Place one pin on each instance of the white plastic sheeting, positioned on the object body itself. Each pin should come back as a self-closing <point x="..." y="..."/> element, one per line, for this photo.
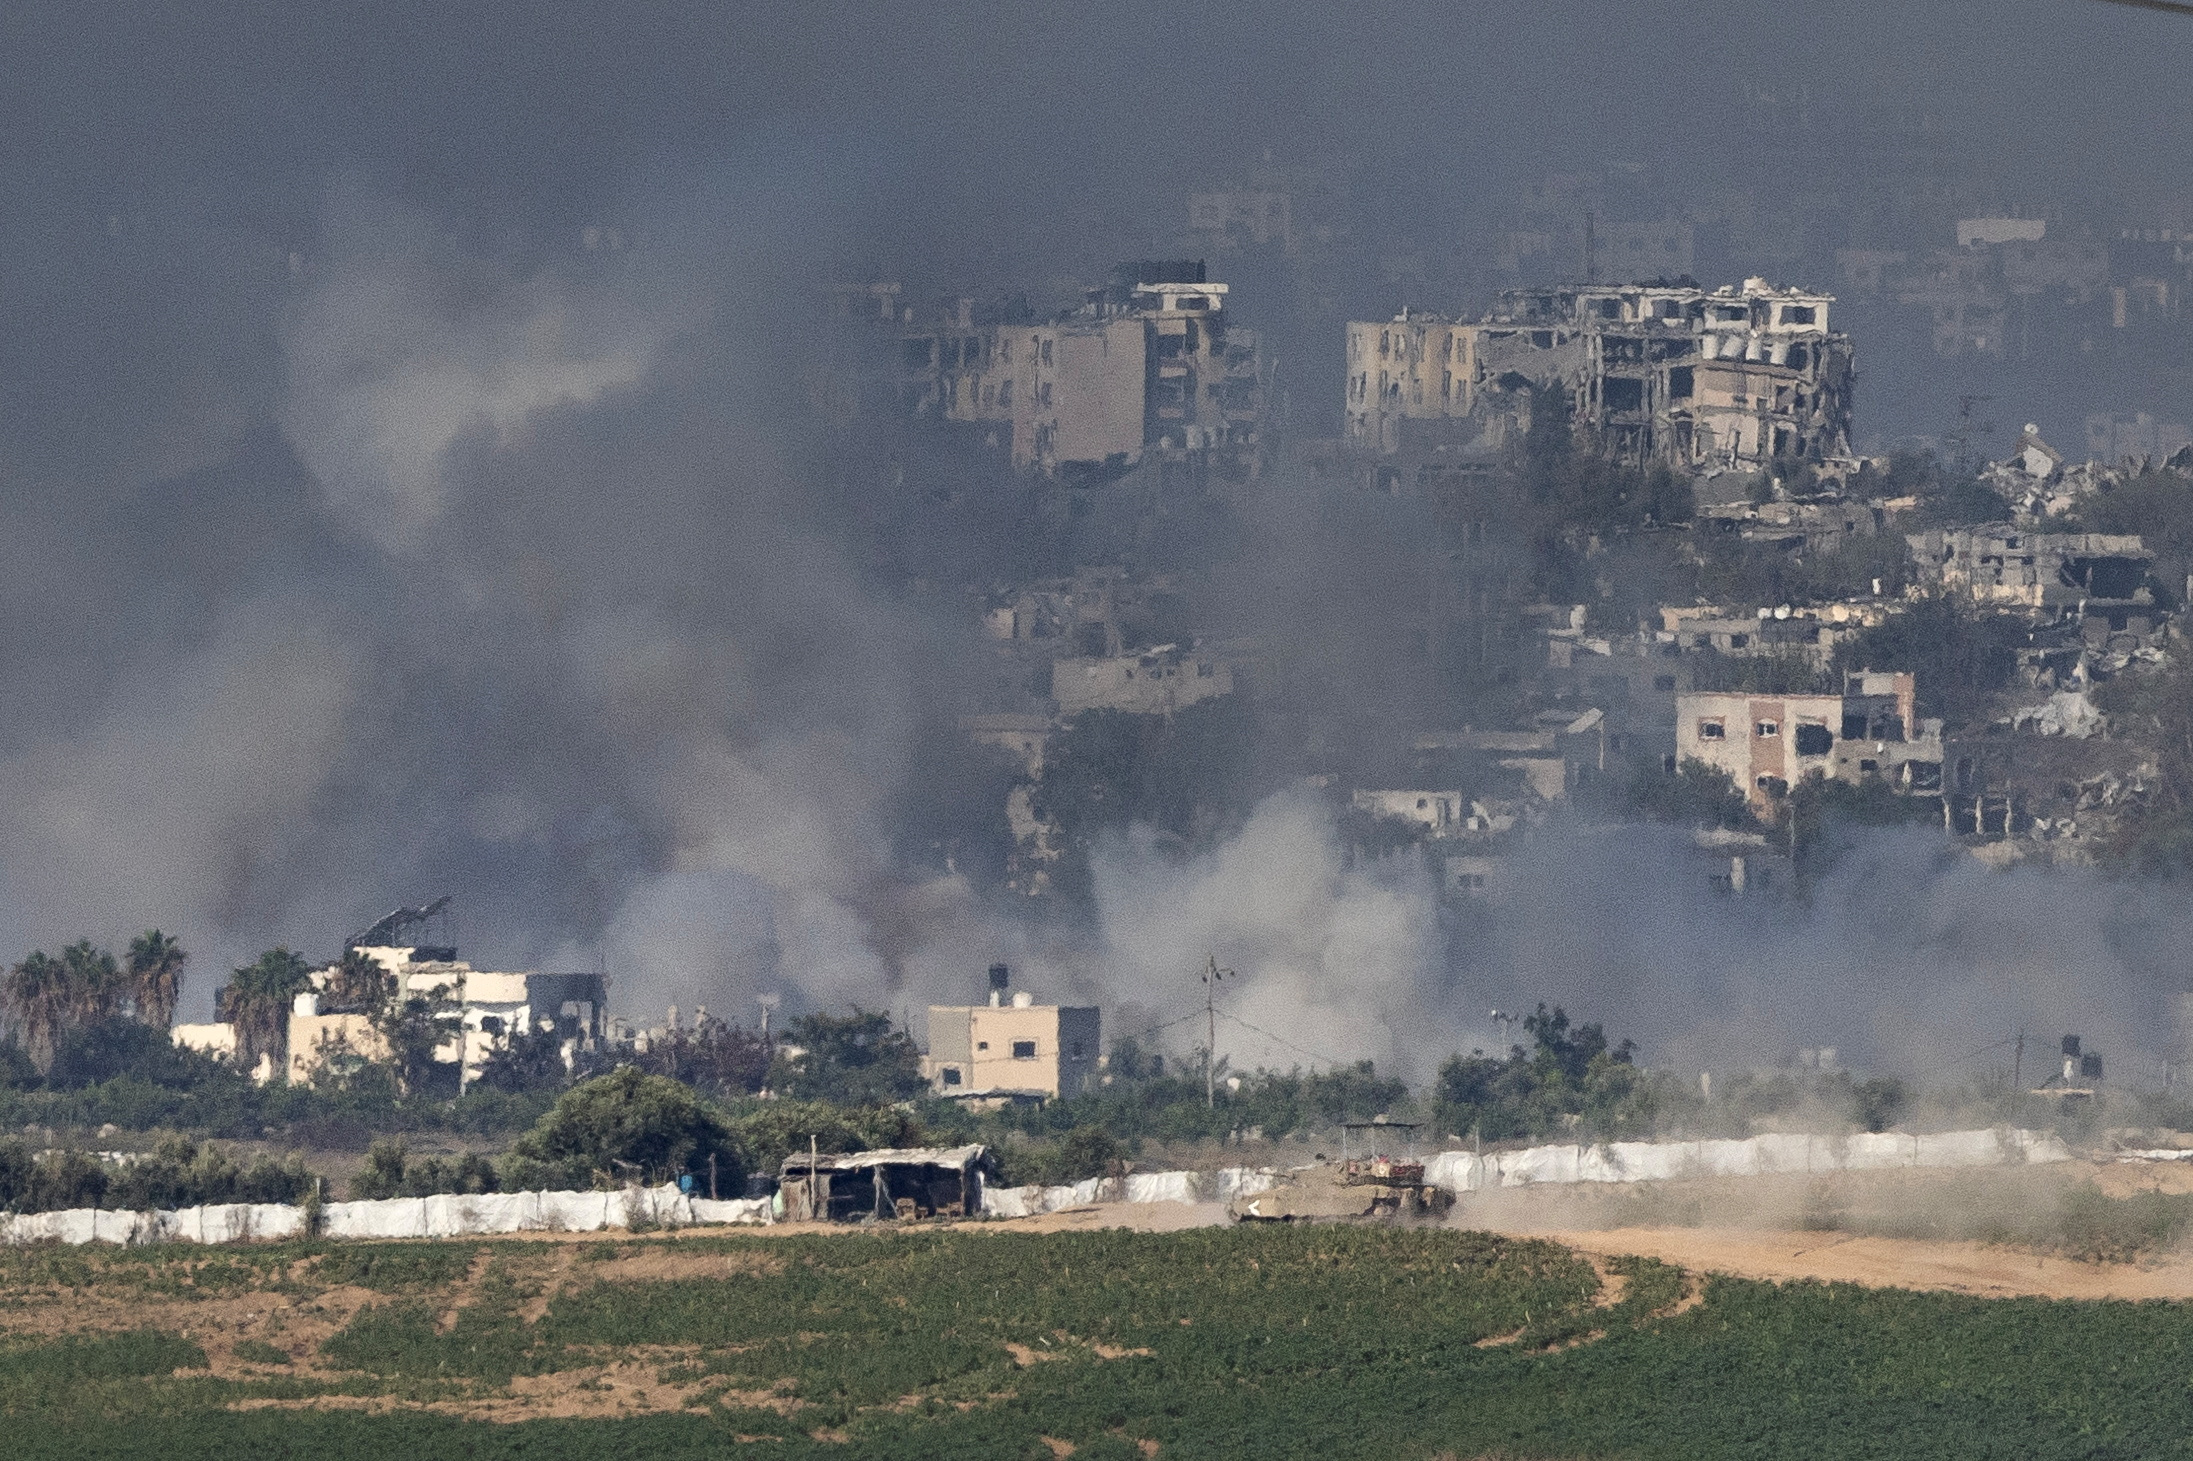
<point x="223" y="1223"/>
<point x="1647" y="1161"/>
<point x="395" y="1217"/>
<point x="1220" y="1186"/>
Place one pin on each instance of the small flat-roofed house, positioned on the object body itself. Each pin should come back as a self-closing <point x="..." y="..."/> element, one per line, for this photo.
<point x="889" y="1184"/>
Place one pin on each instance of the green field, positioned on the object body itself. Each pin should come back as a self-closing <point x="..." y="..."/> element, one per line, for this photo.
<point x="1217" y="1343"/>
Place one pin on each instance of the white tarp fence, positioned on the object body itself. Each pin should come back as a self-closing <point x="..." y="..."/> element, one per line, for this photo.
<point x="1220" y="1186"/>
<point x="1650" y="1161"/>
<point x="394" y="1217"/>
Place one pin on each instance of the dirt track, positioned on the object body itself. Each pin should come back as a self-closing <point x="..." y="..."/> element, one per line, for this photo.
<point x="1966" y="1268"/>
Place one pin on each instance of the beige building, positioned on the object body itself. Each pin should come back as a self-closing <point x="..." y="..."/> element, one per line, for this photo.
<point x="1697" y="379"/>
<point x="1012" y="1048"/>
<point x="1770" y="743"/>
<point x="1149" y="362"/>
<point x="489" y="1009"/>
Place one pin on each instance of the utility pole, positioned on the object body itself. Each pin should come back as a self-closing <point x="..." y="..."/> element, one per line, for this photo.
<point x="2017" y="1061"/>
<point x="1211" y="975"/>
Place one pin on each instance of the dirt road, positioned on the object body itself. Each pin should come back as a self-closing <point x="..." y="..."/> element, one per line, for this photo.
<point x="1965" y="1268"/>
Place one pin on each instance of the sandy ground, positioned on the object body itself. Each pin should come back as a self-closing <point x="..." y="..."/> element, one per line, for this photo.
<point x="1965" y="1268"/>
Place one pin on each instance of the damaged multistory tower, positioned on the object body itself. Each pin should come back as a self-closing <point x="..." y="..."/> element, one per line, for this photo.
<point x="1693" y="378"/>
<point x="1151" y="363"/>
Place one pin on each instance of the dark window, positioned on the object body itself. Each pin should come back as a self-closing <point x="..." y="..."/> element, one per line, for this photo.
<point x="1813" y="740"/>
<point x="1854" y="725"/>
<point x="1679" y="383"/>
<point x="1712" y="730"/>
<point x="1024" y="1050"/>
<point x="951" y="1075"/>
<point x="1625" y="395"/>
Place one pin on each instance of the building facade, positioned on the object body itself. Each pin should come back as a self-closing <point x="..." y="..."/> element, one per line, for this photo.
<point x="1734" y="377"/>
<point x="487" y="1010"/>
<point x="2003" y="565"/>
<point x="1770" y="743"/>
<point x="1015" y="1048"/>
<point x="1150" y="362"/>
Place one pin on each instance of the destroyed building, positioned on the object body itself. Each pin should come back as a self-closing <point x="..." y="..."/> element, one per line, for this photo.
<point x="1739" y="378"/>
<point x="2003" y="565"/>
<point x="1769" y="743"/>
<point x="1156" y="681"/>
<point x="1150" y="362"/>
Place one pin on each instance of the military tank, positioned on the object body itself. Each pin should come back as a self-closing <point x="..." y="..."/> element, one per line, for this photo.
<point x="1374" y="1186"/>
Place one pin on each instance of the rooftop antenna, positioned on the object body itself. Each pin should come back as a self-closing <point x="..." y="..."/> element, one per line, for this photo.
<point x="1211" y="975"/>
<point x="1501" y="1017"/>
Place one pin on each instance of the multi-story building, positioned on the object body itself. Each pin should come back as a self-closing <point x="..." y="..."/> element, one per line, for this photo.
<point x="1697" y="379"/>
<point x="1012" y="1047"/>
<point x="1149" y="362"/>
<point x="485" y="1011"/>
<point x="1770" y="743"/>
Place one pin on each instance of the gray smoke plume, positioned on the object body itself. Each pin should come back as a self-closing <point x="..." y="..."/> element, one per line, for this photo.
<point x="402" y="490"/>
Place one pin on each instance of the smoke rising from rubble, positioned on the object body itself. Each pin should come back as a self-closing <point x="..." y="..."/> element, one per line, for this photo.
<point x="381" y="521"/>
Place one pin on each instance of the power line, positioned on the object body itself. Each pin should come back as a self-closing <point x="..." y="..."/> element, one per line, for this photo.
<point x="1297" y="1049"/>
<point x="1984" y="1049"/>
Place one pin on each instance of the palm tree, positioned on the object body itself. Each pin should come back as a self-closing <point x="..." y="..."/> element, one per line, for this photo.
<point x="257" y="1001"/>
<point x="358" y="985"/>
<point x="96" y="991"/>
<point x="156" y="976"/>
<point x="36" y="992"/>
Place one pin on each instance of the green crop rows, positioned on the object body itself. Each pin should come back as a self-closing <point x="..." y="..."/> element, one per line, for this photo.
<point x="1325" y="1342"/>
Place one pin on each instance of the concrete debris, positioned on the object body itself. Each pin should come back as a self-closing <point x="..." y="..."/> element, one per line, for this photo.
<point x="2065" y="713"/>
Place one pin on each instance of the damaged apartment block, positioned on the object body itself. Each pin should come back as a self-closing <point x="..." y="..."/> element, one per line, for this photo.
<point x="1698" y="380"/>
<point x="1769" y="743"/>
<point x="1149" y="365"/>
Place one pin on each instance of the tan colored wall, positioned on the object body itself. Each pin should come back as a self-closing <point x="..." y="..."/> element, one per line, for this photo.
<point x="312" y="1038"/>
<point x="1096" y="379"/>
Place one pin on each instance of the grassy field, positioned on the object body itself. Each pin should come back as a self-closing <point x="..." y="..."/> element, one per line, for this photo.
<point x="1212" y="1343"/>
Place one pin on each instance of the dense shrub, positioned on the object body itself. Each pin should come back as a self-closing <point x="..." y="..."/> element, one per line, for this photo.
<point x="1568" y="1079"/>
<point x="177" y="1173"/>
<point x="624" y="1125"/>
<point x="855" y="1059"/>
<point x="388" y="1172"/>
